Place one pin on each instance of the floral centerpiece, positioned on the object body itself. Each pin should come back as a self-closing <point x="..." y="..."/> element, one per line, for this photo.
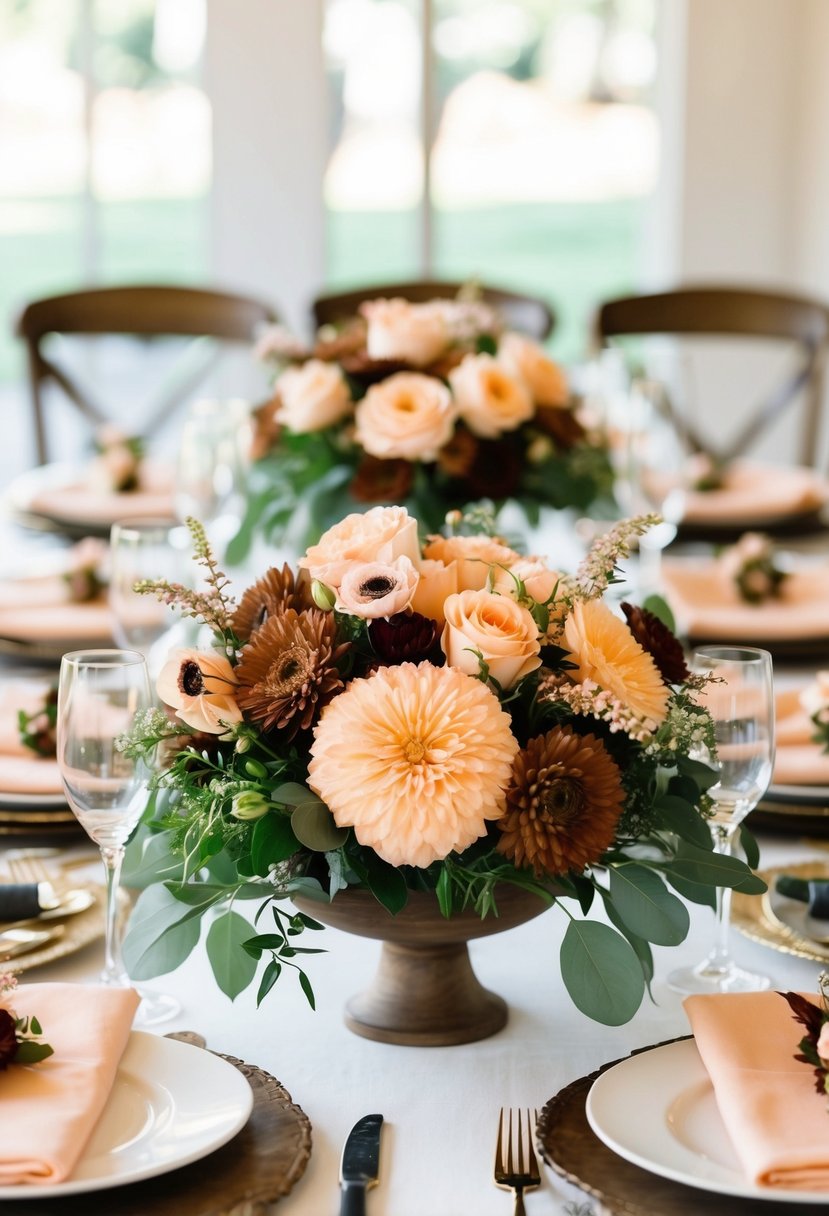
<point x="447" y="717"/>
<point x="430" y="405"/>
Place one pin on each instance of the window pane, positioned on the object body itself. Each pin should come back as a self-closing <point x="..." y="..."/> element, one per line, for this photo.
<point x="150" y="141"/>
<point x="374" y="179"/>
<point x="546" y="149"/>
<point x="42" y="159"/>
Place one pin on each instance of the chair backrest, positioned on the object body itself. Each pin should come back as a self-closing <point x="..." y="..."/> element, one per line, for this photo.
<point x="528" y="314"/>
<point x="737" y="312"/>
<point x="145" y="311"/>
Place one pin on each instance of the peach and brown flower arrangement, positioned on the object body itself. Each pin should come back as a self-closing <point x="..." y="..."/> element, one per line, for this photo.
<point x="430" y="713"/>
<point x="431" y="405"/>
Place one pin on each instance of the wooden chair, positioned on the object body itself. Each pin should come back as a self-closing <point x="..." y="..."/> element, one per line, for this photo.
<point x="143" y="311"/>
<point x="529" y="314"/>
<point x="737" y="312"/>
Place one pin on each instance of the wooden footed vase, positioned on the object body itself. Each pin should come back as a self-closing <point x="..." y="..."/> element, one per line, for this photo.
<point x="425" y="993"/>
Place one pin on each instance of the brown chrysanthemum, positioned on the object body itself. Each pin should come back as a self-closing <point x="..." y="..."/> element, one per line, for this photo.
<point x="457" y="457"/>
<point x="379" y="480"/>
<point x="563" y="803"/>
<point x="659" y="642"/>
<point x="561" y="425"/>
<point x="288" y="672"/>
<point x="271" y="595"/>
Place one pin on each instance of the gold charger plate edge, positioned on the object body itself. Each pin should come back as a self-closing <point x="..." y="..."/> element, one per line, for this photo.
<point x="573" y="1151"/>
<point x="258" y="1167"/>
<point x="752" y="915"/>
<point x="79" y="930"/>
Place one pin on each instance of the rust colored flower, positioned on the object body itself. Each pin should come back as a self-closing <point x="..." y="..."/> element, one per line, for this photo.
<point x="659" y="642"/>
<point x="561" y="425"/>
<point x="404" y="637"/>
<point x="563" y="803"/>
<point x="288" y="670"/>
<point x="266" y="428"/>
<point x="381" y="480"/>
<point x="8" y="1038"/>
<point x="271" y="595"/>
<point x="457" y="457"/>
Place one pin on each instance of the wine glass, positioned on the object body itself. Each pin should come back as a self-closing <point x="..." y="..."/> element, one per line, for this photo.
<point x="211" y="474"/>
<point x="146" y="549"/>
<point x="100" y="692"/>
<point x="652" y="472"/>
<point x="740" y="699"/>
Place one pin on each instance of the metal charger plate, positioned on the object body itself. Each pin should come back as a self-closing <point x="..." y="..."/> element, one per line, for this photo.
<point x="755" y="918"/>
<point x="258" y="1167"/>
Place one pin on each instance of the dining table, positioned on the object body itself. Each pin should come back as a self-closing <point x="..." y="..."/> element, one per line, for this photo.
<point x="440" y="1105"/>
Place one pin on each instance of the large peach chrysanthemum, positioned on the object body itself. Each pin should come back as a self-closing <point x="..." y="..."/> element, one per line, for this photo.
<point x="415" y="759"/>
<point x="607" y="653"/>
<point x="563" y="804"/>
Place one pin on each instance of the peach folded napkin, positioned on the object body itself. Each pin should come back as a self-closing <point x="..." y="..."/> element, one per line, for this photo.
<point x="706" y="604"/>
<point x="81" y="503"/>
<point x="50" y="1109"/>
<point x="778" y="1123"/>
<point x="755" y="492"/>
<point x="799" y="760"/>
<point x="21" y="771"/>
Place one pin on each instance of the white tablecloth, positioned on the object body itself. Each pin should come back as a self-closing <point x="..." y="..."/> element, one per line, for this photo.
<point x="440" y="1104"/>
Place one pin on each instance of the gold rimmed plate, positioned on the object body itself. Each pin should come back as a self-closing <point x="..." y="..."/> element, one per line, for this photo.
<point x="784" y="924"/>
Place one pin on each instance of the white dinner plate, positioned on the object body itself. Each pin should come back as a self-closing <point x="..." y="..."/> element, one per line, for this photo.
<point x="807" y="795"/>
<point x="171" y="1104"/>
<point x="676" y="1130"/>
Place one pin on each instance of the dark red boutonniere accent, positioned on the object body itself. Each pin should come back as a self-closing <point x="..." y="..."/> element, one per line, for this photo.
<point x="20" y="1038"/>
<point x="814" y="1046"/>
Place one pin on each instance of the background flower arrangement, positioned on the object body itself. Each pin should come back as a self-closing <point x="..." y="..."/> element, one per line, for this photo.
<point x="430" y="405"/>
<point x="448" y="716"/>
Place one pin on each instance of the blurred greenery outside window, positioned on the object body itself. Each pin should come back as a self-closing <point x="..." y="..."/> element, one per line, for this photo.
<point x="543" y="153"/>
<point x="104" y="148"/>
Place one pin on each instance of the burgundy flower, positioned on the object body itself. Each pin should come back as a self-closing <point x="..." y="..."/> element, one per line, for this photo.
<point x="659" y="642"/>
<point x="8" y="1038"/>
<point x="496" y="469"/>
<point x="561" y="425"/>
<point x="403" y="638"/>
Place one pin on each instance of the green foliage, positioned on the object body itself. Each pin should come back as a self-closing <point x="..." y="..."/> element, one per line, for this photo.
<point x="601" y="972"/>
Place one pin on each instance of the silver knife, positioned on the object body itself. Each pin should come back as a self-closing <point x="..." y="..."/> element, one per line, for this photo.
<point x="359" y="1167"/>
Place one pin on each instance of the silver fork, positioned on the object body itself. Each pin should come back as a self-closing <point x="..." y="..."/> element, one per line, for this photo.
<point x="517" y="1170"/>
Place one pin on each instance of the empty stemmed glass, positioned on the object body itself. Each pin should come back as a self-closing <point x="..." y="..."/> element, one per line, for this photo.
<point x="652" y="472"/>
<point x="100" y="692"/>
<point x="740" y="699"/>
<point x="211" y="473"/>
<point x="147" y="548"/>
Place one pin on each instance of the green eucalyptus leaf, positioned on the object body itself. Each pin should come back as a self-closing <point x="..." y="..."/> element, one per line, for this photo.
<point x="661" y="610"/>
<point x="161" y="934"/>
<point x="696" y="892"/>
<point x="386" y="883"/>
<point x="681" y="817"/>
<point x="197" y="894"/>
<point x="713" y="869"/>
<point x="233" y="967"/>
<point x="272" y="841"/>
<point x="640" y="947"/>
<point x="749" y="845"/>
<point x="314" y="826"/>
<point x="291" y="793"/>
<point x="646" y="906"/>
<point x="601" y="972"/>
<point x="269" y="977"/>
<point x="702" y="774"/>
<point x="149" y="859"/>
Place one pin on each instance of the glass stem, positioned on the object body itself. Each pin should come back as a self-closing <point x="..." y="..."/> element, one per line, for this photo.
<point x="113" y="973"/>
<point x="720" y="957"/>
<point x="650" y="568"/>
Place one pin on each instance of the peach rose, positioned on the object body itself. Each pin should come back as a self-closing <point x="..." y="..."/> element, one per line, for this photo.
<point x="407" y="417"/>
<point x="437" y="582"/>
<point x="488" y="398"/>
<point x="494" y="626"/>
<point x="312" y="397"/>
<point x="201" y="688"/>
<point x="538" y="579"/>
<point x="376" y="589"/>
<point x="380" y="535"/>
<point x="823" y="1042"/>
<point x="527" y="361"/>
<point x="475" y="555"/>
<point x="404" y="332"/>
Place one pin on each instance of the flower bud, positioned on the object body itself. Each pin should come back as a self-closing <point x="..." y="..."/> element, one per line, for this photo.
<point x="250" y="805"/>
<point x="540" y="449"/>
<point x="256" y="769"/>
<point x="322" y="596"/>
<point x="454" y="519"/>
